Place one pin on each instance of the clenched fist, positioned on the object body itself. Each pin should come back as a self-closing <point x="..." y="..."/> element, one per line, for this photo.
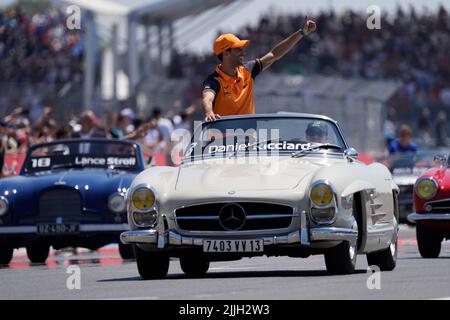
<point x="309" y="26"/>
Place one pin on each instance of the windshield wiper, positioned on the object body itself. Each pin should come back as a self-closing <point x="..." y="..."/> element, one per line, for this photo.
<point x="313" y="147"/>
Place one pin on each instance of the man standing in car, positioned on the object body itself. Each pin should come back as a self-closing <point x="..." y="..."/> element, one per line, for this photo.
<point x="229" y="90"/>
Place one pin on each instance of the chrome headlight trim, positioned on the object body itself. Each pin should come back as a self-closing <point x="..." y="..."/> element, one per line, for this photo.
<point x="426" y="178"/>
<point x="129" y="196"/>
<point x="6" y="203"/>
<point x="131" y="208"/>
<point x="327" y="183"/>
<point x="333" y="203"/>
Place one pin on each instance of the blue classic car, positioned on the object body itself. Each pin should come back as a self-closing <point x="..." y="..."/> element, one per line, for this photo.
<point x="69" y="193"/>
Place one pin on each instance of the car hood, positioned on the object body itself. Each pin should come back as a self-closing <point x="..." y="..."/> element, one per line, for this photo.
<point x="86" y="181"/>
<point x="283" y="173"/>
<point x="95" y="186"/>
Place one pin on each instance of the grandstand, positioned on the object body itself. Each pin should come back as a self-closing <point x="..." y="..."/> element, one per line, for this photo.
<point x="135" y="55"/>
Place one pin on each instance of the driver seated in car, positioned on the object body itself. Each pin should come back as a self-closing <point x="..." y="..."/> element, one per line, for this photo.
<point x="317" y="132"/>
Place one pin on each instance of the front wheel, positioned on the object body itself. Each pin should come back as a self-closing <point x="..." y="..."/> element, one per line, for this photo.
<point x="151" y="265"/>
<point x="6" y="254"/>
<point x="126" y="251"/>
<point x="38" y="253"/>
<point x="385" y="259"/>
<point x="429" y="243"/>
<point x="341" y="259"/>
<point x="194" y="266"/>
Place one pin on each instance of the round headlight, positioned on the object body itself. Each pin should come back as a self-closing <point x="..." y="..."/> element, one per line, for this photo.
<point x="426" y="188"/>
<point x="143" y="198"/>
<point x="116" y="203"/>
<point x="4" y="206"/>
<point x="321" y="195"/>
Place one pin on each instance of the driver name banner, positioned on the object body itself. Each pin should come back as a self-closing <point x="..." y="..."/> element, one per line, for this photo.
<point x="46" y="163"/>
<point x="259" y="146"/>
<point x="108" y="161"/>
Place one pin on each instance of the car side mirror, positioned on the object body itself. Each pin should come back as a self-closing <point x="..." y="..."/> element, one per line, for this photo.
<point x="351" y="154"/>
<point x="440" y="159"/>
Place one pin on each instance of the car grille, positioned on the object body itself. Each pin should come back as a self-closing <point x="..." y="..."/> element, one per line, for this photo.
<point x="258" y="216"/>
<point x="60" y="203"/>
<point x="442" y="206"/>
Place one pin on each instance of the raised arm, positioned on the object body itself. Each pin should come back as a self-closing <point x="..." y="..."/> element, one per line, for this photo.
<point x="287" y="44"/>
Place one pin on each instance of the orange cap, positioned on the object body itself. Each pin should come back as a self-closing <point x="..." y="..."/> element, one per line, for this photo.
<point x="228" y="41"/>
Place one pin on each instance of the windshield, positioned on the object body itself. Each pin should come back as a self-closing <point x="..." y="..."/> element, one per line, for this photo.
<point x="411" y="163"/>
<point x="268" y="136"/>
<point x="84" y="154"/>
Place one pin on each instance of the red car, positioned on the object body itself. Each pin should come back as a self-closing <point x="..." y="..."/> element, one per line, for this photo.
<point x="432" y="205"/>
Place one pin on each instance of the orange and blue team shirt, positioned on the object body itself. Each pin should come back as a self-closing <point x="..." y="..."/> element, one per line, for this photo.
<point x="234" y="95"/>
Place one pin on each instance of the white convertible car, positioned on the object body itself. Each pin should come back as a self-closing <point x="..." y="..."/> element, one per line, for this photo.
<point x="284" y="184"/>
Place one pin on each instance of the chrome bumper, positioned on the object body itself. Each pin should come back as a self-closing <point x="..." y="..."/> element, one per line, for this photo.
<point x="302" y="237"/>
<point x="333" y="234"/>
<point x="414" y="217"/>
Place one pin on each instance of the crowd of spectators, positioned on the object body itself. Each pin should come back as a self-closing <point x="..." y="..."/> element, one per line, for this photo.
<point x="38" y="57"/>
<point x="414" y="48"/>
<point x="38" y="48"/>
<point x="411" y="47"/>
<point x="154" y="133"/>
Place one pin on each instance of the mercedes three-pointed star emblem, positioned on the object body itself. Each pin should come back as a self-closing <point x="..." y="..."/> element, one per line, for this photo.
<point x="232" y="217"/>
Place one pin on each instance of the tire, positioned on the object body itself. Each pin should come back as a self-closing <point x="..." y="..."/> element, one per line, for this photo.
<point x="6" y="254"/>
<point x="429" y="243"/>
<point x="38" y="253"/>
<point x="194" y="265"/>
<point x="385" y="259"/>
<point x="341" y="259"/>
<point x="126" y="251"/>
<point x="151" y="265"/>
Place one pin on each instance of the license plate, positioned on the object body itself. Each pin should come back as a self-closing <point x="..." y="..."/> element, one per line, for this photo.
<point x="53" y="228"/>
<point x="233" y="245"/>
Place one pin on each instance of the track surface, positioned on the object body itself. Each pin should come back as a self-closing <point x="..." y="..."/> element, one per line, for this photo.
<point x="104" y="275"/>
